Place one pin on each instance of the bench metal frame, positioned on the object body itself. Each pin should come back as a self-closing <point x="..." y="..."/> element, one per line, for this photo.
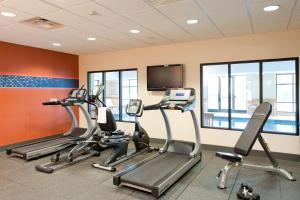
<point x="274" y="168"/>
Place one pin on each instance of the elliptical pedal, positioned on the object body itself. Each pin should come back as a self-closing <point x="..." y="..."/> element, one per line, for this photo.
<point x="108" y="168"/>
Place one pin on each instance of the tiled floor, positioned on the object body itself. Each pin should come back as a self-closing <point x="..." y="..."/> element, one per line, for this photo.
<point x="20" y="181"/>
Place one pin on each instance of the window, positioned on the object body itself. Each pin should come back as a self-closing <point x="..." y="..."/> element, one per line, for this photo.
<point x="112" y="92"/>
<point x="120" y="87"/>
<point x="285" y="92"/>
<point x="279" y="86"/>
<point x="231" y="92"/>
<point x="215" y="91"/>
<point x="244" y="93"/>
<point x="129" y="91"/>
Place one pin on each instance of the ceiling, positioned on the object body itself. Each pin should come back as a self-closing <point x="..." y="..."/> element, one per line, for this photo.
<point x="159" y="22"/>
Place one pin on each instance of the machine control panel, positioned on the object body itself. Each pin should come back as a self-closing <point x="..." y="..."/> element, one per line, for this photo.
<point x="134" y="107"/>
<point x="179" y="95"/>
<point x="176" y="99"/>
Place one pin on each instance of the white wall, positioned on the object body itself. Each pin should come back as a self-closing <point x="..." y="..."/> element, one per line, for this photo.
<point x="259" y="46"/>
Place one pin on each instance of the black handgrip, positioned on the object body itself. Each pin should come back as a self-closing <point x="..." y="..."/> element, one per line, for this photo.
<point x="78" y="91"/>
<point x="49" y="103"/>
<point x="152" y="107"/>
<point x="179" y="107"/>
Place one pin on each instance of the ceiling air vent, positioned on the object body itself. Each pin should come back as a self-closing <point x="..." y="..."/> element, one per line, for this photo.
<point x="41" y="23"/>
<point x="157" y="3"/>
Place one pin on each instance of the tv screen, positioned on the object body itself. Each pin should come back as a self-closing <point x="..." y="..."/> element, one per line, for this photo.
<point x="161" y="77"/>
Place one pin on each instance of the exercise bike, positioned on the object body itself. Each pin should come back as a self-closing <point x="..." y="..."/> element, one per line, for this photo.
<point x="119" y="141"/>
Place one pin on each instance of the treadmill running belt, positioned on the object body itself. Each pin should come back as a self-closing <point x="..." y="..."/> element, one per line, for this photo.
<point x="156" y="170"/>
<point x="41" y="145"/>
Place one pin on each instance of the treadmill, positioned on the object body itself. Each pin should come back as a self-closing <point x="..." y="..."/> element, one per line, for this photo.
<point x="160" y="171"/>
<point x="34" y="150"/>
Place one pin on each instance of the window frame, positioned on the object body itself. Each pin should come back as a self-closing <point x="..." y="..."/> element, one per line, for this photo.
<point x="260" y="62"/>
<point x="294" y="93"/>
<point x="120" y="87"/>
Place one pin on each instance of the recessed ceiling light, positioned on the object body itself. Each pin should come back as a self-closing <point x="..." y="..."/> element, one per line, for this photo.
<point x="91" y="38"/>
<point x="271" y="8"/>
<point x="8" y="14"/>
<point x="192" y="21"/>
<point x="92" y="12"/>
<point x="135" y="31"/>
<point x="56" y="44"/>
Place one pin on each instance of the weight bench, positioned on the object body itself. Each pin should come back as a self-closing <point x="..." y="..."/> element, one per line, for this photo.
<point x="244" y="145"/>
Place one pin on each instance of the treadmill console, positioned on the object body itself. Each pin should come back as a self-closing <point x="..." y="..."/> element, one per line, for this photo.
<point x="179" y="95"/>
<point x="77" y="94"/>
<point x="176" y="99"/>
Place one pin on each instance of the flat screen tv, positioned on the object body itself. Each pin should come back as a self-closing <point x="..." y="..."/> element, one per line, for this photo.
<point x="161" y="77"/>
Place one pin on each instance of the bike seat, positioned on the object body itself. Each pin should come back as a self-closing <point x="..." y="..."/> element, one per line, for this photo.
<point x="229" y="156"/>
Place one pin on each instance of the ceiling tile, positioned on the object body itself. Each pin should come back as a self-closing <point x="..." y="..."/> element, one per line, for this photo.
<point x="44" y="43"/>
<point x="123" y="7"/>
<point x="124" y="25"/>
<point x="40" y="42"/>
<point x="182" y="11"/>
<point x="123" y="38"/>
<point x="82" y="43"/>
<point x="230" y="16"/>
<point x="101" y="13"/>
<point x="120" y="23"/>
<point x="64" y="18"/>
<point x="71" y="32"/>
<point x="295" y="20"/>
<point x="270" y="21"/>
<point x="74" y="21"/>
<point x="65" y="3"/>
<point x="18" y="30"/>
<point x="67" y="43"/>
<point x="158" y="23"/>
<point x="115" y="22"/>
<point x="4" y="22"/>
<point x="9" y="20"/>
<point x="34" y="7"/>
<point x="157" y="3"/>
<point x="116" y="35"/>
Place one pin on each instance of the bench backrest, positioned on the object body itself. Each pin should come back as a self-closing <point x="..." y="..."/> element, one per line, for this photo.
<point x="253" y="129"/>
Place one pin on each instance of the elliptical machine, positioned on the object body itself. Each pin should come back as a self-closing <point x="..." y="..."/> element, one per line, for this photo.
<point x="118" y="140"/>
<point x="83" y="148"/>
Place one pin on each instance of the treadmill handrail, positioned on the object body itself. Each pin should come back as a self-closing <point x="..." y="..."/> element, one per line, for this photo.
<point x="152" y="107"/>
<point x="168" y="105"/>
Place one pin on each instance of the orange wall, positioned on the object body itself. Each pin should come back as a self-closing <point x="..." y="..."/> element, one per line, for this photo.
<point x="22" y="115"/>
<point x="23" y="60"/>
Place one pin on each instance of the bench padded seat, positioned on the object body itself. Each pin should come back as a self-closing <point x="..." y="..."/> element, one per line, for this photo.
<point x="229" y="156"/>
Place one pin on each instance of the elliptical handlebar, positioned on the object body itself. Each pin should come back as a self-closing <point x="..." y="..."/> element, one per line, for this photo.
<point x="139" y="114"/>
<point x="134" y="108"/>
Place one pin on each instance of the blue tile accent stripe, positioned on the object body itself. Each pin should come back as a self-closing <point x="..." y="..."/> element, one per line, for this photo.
<point x="15" y="81"/>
